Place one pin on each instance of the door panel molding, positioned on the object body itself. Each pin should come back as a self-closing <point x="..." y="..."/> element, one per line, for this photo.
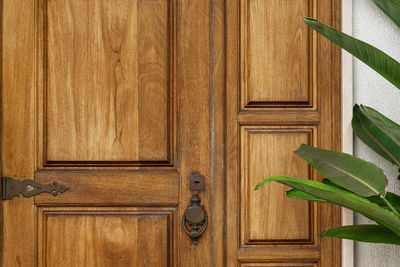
<point x="319" y="109"/>
<point x="267" y="62"/>
<point x="64" y="232"/>
<point x="127" y="71"/>
<point x="261" y="225"/>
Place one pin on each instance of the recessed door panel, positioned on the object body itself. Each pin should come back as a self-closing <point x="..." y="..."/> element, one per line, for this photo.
<point x="105" y="237"/>
<point x="269" y="217"/>
<point x="107" y="80"/>
<point x="277" y="52"/>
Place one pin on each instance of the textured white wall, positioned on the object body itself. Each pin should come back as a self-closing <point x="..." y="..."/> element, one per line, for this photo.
<point x="370" y="24"/>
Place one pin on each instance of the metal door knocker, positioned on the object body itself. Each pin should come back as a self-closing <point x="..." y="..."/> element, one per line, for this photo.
<point x="196" y="218"/>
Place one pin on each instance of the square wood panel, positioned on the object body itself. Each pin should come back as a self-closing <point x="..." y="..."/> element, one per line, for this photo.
<point x="267" y="215"/>
<point x="106" y="82"/>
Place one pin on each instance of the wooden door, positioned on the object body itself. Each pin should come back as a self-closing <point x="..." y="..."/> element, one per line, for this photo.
<point x="284" y="90"/>
<point x="112" y="99"/>
<point x="122" y="100"/>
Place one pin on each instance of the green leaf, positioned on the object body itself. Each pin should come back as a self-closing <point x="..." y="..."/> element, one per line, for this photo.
<point x="393" y="199"/>
<point x="300" y="194"/>
<point x="391" y="9"/>
<point x="326" y="181"/>
<point x="378" y="132"/>
<point x="343" y="198"/>
<point x="366" y="233"/>
<point x="353" y="174"/>
<point x="373" y="57"/>
<point x="378" y="201"/>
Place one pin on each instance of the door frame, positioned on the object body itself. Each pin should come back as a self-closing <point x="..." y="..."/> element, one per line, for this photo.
<point x="347" y="113"/>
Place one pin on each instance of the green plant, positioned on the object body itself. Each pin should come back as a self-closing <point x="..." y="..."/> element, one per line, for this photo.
<point x="351" y="182"/>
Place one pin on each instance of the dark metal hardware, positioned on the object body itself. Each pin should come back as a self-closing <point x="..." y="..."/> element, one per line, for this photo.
<point x="197" y="182"/>
<point x="28" y="188"/>
<point x="196" y="218"/>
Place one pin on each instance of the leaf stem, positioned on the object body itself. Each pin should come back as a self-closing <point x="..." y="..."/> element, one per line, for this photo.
<point x="389" y="205"/>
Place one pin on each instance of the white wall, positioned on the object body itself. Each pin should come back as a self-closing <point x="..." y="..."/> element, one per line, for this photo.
<point x="370" y="24"/>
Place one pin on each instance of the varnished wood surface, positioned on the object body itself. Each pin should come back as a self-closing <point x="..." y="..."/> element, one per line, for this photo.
<point x="105" y="187"/>
<point x="276" y="52"/>
<point x="279" y="253"/>
<point x="17" y="132"/>
<point x="100" y="99"/>
<point x="282" y="90"/>
<point x="268" y="216"/>
<point x="279" y="118"/>
<point x="104" y="237"/>
<point x="194" y="122"/>
<point x="217" y="137"/>
<point x="281" y="264"/>
<point x="106" y="79"/>
<point x="123" y="100"/>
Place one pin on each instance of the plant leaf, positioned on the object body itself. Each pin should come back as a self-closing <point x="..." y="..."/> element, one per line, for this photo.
<point x="378" y="132"/>
<point x="353" y="174"/>
<point x="343" y="198"/>
<point x="366" y="233"/>
<point x="392" y="198"/>
<point x="295" y="193"/>
<point x="326" y="181"/>
<point x="373" y="57"/>
<point x="391" y="9"/>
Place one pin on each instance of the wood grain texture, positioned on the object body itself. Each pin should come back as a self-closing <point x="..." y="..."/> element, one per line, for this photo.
<point x="130" y="98"/>
<point x="106" y="82"/>
<point x="329" y="77"/>
<point x="279" y="253"/>
<point x="232" y="132"/>
<point x="266" y="152"/>
<point x="194" y="118"/>
<point x="105" y="187"/>
<point x="85" y="86"/>
<point x="280" y="118"/>
<point x="17" y="128"/>
<point x="217" y="135"/>
<point x="276" y="54"/>
<point x="252" y="40"/>
<point x="280" y="264"/>
<point x="104" y="237"/>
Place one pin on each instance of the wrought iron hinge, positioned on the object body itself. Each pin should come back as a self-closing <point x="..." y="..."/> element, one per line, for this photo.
<point x="28" y="188"/>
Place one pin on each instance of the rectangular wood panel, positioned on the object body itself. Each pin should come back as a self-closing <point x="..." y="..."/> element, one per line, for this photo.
<point x="104" y="237"/>
<point x="115" y="187"/>
<point x="276" y="54"/>
<point x="268" y="216"/>
<point x="106" y="81"/>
